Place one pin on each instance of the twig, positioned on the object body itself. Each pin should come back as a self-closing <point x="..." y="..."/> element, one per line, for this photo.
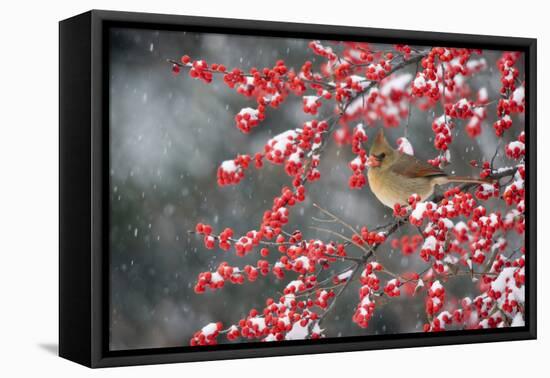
<point x="395" y="68"/>
<point x="342" y="237"/>
<point x="263" y="242"/>
<point x="406" y="131"/>
<point x="335" y="299"/>
<point x="443" y="95"/>
<point x="496" y="153"/>
<point x="336" y="219"/>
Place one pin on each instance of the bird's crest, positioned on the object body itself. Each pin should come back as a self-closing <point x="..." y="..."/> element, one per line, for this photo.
<point x="380" y="143"/>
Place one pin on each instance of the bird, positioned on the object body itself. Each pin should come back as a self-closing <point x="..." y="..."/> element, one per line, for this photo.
<point x="395" y="176"/>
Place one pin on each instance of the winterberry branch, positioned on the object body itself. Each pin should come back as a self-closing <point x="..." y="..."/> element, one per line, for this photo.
<point x="300" y="150"/>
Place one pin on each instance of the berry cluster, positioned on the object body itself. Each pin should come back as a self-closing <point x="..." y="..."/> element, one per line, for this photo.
<point x="462" y="109"/>
<point x="378" y="71"/>
<point x="502" y="125"/>
<point x="473" y="127"/>
<point x="441" y="160"/>
<point x="369" y="237"/>
<point x="207" y="335"/>
<point x="370" y="284"/>
<point x="217" y="279"/>
<point x="435" y="299"/>
<point x="509" y="73"/>
<point x="514" y="101"/>
<point x="486" y="191"/>
<point x="248" y="118"/>
<point x="440" y="322"/>
<point x="442" y="127"/>
<point x="516" y="149"/>
<point x="514" y="193"/>
<point x="231" y="172"/>
<point x="358" y="165"/>
<point x="407" y="244"/>
<point x="321" y="50"/>
<point x="392" y="288"/>
<point x="425" y="85"/>
<point x="311" y="104"/>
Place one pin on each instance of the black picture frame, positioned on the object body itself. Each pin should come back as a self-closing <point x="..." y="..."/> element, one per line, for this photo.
<point x="84" y="178"/>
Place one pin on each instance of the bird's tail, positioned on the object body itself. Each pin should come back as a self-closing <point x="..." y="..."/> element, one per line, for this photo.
<point x="469" y="180"/>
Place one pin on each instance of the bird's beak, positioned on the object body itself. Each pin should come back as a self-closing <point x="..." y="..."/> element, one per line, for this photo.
<point x="372" y="161"/>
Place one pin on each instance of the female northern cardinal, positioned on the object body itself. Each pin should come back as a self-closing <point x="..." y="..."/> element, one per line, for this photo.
<point x="395" y="176"/>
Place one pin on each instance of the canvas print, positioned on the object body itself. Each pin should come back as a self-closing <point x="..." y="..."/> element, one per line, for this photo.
<point x="270" y="189"/>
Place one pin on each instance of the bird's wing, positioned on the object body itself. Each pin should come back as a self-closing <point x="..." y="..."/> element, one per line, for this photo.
<point x="409" y="166"/>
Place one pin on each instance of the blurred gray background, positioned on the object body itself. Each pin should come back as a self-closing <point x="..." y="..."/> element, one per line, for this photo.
<point x="168" y="136"/>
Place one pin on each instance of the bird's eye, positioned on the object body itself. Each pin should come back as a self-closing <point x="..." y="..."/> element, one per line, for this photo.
<point x="380" y="156"/>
